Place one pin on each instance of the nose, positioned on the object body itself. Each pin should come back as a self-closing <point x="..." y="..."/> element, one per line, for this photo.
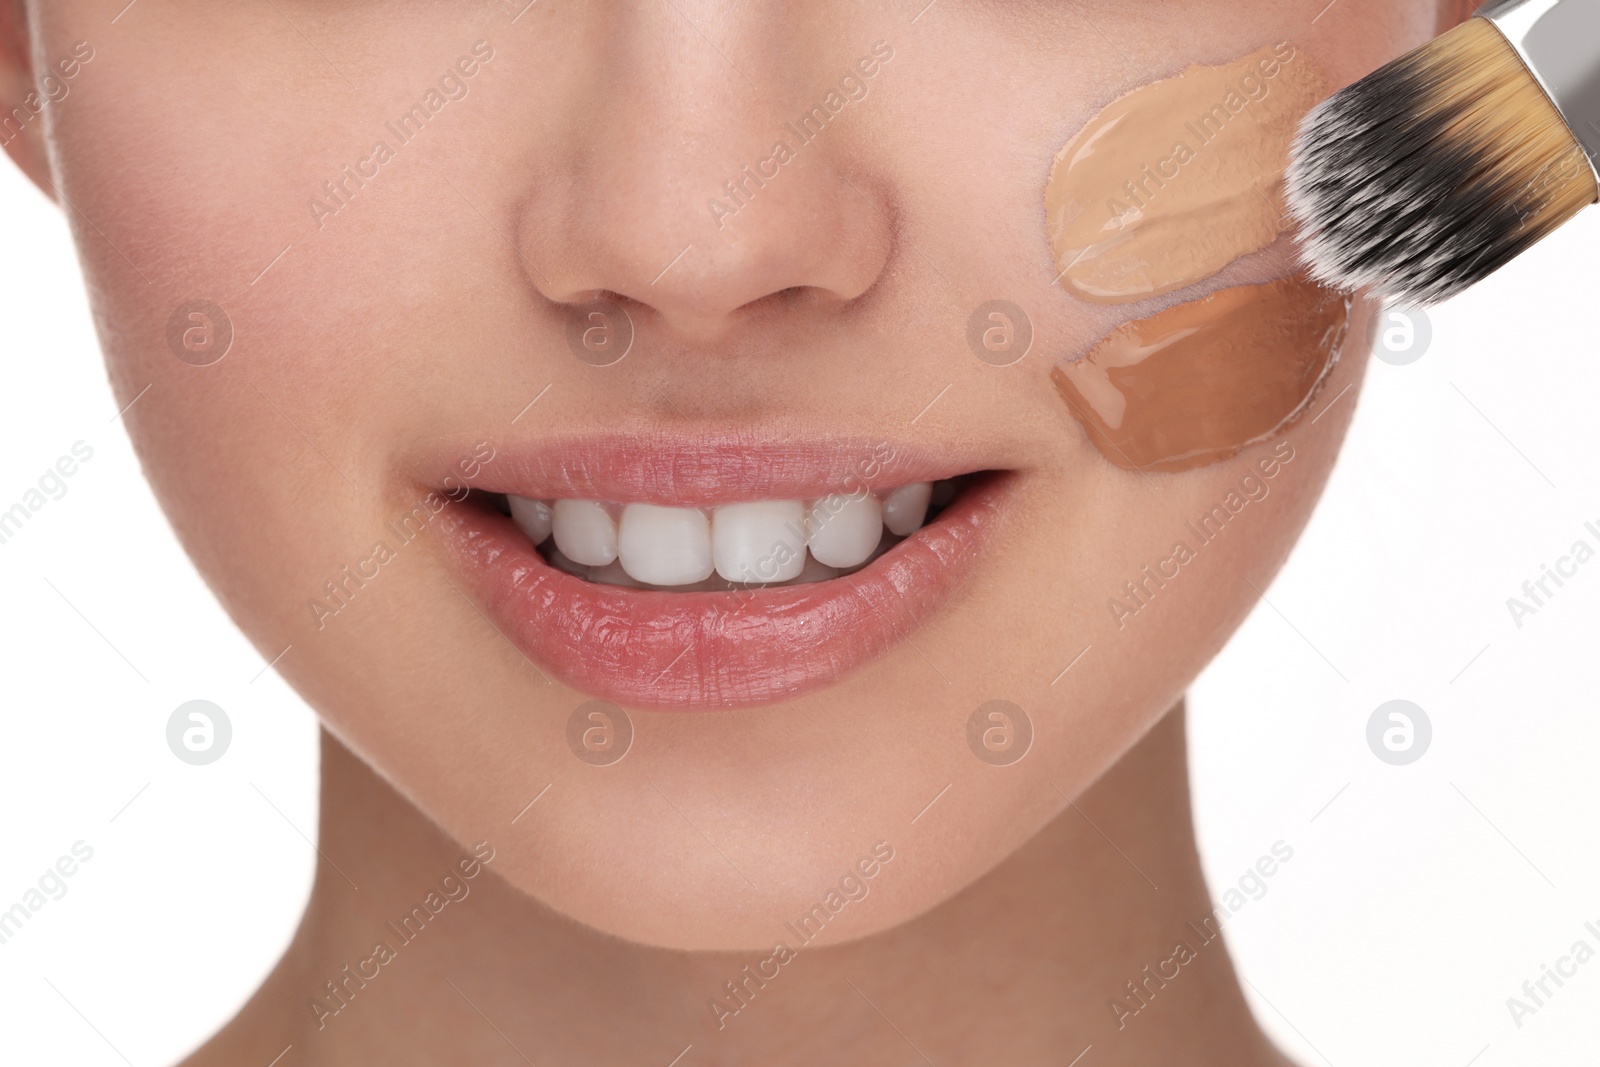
<point x="678" y="183"/>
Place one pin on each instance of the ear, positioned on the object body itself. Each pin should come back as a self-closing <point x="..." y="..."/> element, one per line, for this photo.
<point x="21" y="105"/>
<point x="1455" y="12"/>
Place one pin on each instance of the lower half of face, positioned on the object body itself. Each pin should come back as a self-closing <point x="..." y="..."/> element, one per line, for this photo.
<point x="719" y="451"/>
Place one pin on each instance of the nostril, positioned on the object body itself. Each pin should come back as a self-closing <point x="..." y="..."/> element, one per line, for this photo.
<point x="584" y="298"/>
<point x="786" y="299"/>
<point x="795" y="298"/>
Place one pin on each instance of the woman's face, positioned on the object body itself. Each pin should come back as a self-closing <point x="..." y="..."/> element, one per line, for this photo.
<point x="397" y="324"/>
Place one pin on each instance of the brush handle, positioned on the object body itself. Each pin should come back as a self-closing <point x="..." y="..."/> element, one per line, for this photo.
<point x="1559" y="40"/>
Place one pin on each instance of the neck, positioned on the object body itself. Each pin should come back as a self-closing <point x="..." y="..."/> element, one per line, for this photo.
<point x="1098" y="932"/>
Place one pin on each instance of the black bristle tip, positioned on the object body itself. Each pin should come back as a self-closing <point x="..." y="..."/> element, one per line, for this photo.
<point x="1396" y="185"/>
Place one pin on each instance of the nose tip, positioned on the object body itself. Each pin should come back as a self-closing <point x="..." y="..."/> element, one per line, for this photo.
<point x="817" y="242"/>
<point x="684" y="192"/>
<point x="804" y="247"/>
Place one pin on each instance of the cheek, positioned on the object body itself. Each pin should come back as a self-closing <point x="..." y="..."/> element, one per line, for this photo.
<point x="179" y="206"/>
<point x="1198" y="546"/>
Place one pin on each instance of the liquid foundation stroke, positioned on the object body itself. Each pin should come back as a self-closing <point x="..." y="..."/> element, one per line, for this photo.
<point x="1176" y="179"/>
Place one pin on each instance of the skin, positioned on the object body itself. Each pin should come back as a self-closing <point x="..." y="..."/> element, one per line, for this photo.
<point x="421" y="318"/>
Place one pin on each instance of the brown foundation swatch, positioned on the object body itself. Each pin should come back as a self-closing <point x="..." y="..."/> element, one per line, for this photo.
<point x="1199" y="381"/>
<point x="1176" y="179"/>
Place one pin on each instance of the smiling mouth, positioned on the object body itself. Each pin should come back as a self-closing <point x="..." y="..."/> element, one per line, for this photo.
<point x="698" y="572"/>
<point x="744" y="545"/>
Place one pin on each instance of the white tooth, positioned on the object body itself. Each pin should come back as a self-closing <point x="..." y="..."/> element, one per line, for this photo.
<point x="889" y="541"/>
<point x="813" y="572"/>
<point x="532" y="516"/>
<point x="584" y="532"/>
<point x="905" y="508"/>
<point x="613" y="574"/>
<point x="844" y="529"/>
<point x="759" y="541"/>
<point x="560" y="562"/>
<point x="665" y="546"/>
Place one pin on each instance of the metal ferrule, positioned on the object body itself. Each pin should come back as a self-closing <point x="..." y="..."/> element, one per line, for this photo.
<point x="1559" y="40"/>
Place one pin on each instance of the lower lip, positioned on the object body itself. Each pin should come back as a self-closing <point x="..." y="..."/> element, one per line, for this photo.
<point x="686" y="651"/>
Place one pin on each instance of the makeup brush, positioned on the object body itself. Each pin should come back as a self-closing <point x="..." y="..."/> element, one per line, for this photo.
<point x="1442" y="166"/>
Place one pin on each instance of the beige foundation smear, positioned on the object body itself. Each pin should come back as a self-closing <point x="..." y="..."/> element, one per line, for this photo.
<point x="1176" y="179"/>
<point x="1198" y="382"/>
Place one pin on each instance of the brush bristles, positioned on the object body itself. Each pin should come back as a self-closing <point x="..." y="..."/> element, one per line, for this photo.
<point x="1434" y="171"/>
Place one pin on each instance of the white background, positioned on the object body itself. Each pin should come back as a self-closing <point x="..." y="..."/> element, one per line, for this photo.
<point x="1419" y="897"/>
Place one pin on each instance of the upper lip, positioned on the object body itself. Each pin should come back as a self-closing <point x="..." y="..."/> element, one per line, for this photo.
<point x="703" y="470"/>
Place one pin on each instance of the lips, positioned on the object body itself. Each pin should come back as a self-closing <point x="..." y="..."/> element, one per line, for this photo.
<point x="742" y="647"/>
